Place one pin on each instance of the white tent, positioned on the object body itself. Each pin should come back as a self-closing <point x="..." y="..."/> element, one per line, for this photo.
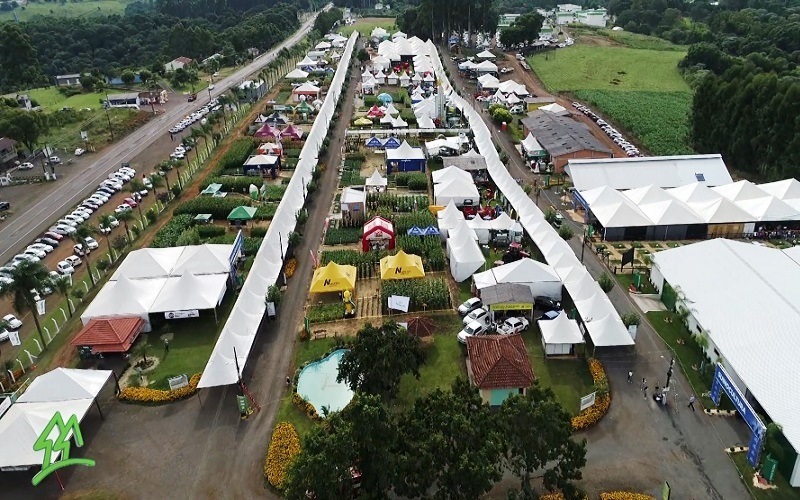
<point x="405" y="152"/>
<point x="425" y="122"/>
<point x="720" y="211"/>
<point x="22" y="425"/>
<point x="416" y="78"/>
<point x="391" y="110"/>
<point x="437" y="147"/>
<point x="399" y="123"/>
<point x="428" y="78"/>
<point x="502" y="223"/>
<point x="297" y="74"/>
<point x="513" y="99"/>
<point x="307" y="61"/>
<point x="555" y="109"/>
<point x="609" y="330"/>
<point x="769" y="208"/>
<point x="531" y="146"/>
<point x="148" y="263"/>
<point x="391" y="79"/>
<point x="125" y="297"/>
<point x="375" y="182"/>
<point x="787" y="189"/>
<point x="353" y="199"/>
<point x="512" y="87"/>
<point x="203" y="259"/>
<point x="486" y="67"/>
<point x="620" y="214"/>
<point x="386" y="120"/>
<point x="482" y="228"/>
<point x="541" y="278"/>
<point x="404" y="79"/>
<point x="488" y="82"/>
<point x="65" y="384"/>
<point x="485" y="55"/>
<point x="594" y="307"/>
<point x="191" y="292"/>
<point x="464" y="253"/>
<point x="449" y="173"/>
<point x="740" y="191"/>
<point x="323" y="45"/>
<point x="466" y="65"/>
<point x="457" y="190"/>
<point x="379" y="32"/>
<point x="559" y="335"/>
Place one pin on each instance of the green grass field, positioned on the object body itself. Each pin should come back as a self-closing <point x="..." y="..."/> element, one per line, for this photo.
<point x="627" y="38"/>
<point x="633" y="80"/>
<point x="367" y="24"/>
<point x="69" y="9"/>
<point x="53" y="100"/>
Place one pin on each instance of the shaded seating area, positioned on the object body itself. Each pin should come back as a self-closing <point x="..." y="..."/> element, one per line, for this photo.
<point x="102" y="335"/>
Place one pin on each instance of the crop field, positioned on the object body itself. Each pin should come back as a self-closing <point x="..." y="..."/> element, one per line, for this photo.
<point x="68" y="9"/>
<point x="660" y="120"/>
<point x="640" y="90"/>
<point x="365" y="25"/>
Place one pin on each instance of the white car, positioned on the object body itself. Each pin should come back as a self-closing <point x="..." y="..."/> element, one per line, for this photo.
<point x="123" y="208"/>
<point x="114" y="184"/>
<point x="113" y="222"/>
<point x="12" y="321"/>
<point x="91" y="243"/>
<point x="83" y="212"/>
<point x="67" y="222"/>
<point x="101" y="197"/>
<point x="79" y="250"/>
<point x="147" y="182"/>
<point x="3" y="334"/>
<point x="79" y="151"/>
<point x="512" y="325"/>
<point x="65" y="268"/>
<point x="26" y="166"/>
<point x="480" y="315"/>
<point x="41" y="246"/>
<point x="73" y="260"/>
<point x="120" y="175"/>
<point x="35" y="252"/>
<point x="26" y="256"/>
<point x="470" y="330"/>
<point x="64" y="229"/>
<point x="77" y="219"/>
<point x="469" y="305"/>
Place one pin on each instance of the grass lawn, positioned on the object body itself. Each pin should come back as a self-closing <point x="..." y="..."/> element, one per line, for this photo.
<point x="783" y="492"/>
<point x="53" y="100"/>
<point x="190" y="347"/>
<point x="626" y="280"/>
<point x="95" y="123"/>
<point x="68" y="9"/>
<point x="569" y="378"/>
<point x="464" y="292"/>
<point x="628" y="39"/>
<point x="367" y="24"/>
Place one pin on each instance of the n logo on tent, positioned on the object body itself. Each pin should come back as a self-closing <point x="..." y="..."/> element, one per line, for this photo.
<point x="398" y="270"/>
<point x="327" y="282"/>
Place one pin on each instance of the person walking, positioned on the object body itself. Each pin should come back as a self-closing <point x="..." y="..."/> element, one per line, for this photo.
<point x="644" y="383"/>
<point x="630" y="377"/>
<point x="288" y="381"/>
<point x="166" y="346"/>
<point x="691" y="402"/>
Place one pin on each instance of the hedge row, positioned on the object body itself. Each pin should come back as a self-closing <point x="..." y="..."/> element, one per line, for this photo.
<point x="236" y="154"/>
<point x="168" y="235"/>
<point x="219" y="208"/>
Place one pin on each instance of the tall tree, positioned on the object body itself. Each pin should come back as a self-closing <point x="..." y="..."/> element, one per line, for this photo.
<point x="82" y="232"/>
<point x="18" y="60"/>
<point x="27" y="278"/>
<point x="23" y="126"/>
<point x="379" y="358"/>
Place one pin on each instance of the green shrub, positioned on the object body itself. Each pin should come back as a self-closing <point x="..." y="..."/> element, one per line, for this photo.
<point x="258" y="232"/>
<point x="219" y="208"/>
<point x="168" y="235"/>
<point x="265" y="212"/>
<point x="292" y="153"/>
<point x="427" y="247"/>
<point x="408" y="116"/>
<point x="188" y="237"/>
<point x="236" y="154"/>
<point x="417" y="181"/>
<point x="234" y="183"/>
<point x="210" y="231"/>
<point x="151" y="215"/>
<point x="274" y="193"/>
<point x="251" y="245"/>
<point x="343" y="235"/>
<point x="401" y="179"/>
<point x="326" y="312"/>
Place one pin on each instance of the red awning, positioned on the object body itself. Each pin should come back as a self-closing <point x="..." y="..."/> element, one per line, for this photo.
<point x="109" y="334"/>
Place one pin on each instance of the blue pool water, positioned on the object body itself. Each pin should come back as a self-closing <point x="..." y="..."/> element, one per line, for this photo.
<point x="317" y="384"/>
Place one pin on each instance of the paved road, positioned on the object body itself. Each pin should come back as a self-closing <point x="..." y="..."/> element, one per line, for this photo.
<point x="20" y="230"/>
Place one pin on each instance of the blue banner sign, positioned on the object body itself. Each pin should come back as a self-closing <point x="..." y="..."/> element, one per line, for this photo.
<point x="723" y="382"/>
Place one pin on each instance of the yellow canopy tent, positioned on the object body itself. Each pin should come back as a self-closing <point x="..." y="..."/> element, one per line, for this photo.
<point x="435" y="209"/>
<point x="333" y="278"/>
<point x="401" y="266"/>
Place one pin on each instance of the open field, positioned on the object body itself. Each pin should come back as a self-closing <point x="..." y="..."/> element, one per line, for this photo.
<point x="625" y="38"/>
<point x="638" y="89"/>
<point x="52" y="100"/>
<point x="69" y="9"/>
<point x="365" y="25"/>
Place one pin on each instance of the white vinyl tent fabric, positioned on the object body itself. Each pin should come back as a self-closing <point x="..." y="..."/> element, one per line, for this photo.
<point x="65" y="384"/>
<point x="464" y="253"/>
<point x="456" y="190"/>
<point x="241" y="327"/>
<point x="449" y="173"/>
<point x="297" y="74"/>
<point x="560" y="334"/>
<point x="611" y="333"/>
<point x="540" y="278"/>
<point x="148" y="263"/>
<point x="125" y="297"/>
<point x="191" y="292"/>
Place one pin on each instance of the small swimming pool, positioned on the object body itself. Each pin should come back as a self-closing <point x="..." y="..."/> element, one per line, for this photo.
<point x="317" y="384"/>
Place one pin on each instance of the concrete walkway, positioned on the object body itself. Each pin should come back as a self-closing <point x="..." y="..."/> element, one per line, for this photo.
<point x="639" y="445"/>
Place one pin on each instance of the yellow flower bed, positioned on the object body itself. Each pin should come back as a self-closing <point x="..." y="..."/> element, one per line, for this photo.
<point x="552" y="496"/>
<point x="306" y="407"/>
<point x="147" y="395"/>
<point x="291" y="267"/>
<point x="602" y="403"/>
<point x="283" y="447"/>
<point x="624" y="495"/>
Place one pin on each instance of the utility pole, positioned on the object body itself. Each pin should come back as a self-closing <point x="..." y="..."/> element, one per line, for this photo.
<point x="583" y="249"/>
<point x="108" y="118"/>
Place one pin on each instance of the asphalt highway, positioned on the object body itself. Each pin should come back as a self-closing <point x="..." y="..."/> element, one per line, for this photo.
<point x="18" y="232"/>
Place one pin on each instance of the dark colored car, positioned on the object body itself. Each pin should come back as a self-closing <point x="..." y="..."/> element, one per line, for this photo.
<point x="546" y="303"/>
<point x="4" y="205"/>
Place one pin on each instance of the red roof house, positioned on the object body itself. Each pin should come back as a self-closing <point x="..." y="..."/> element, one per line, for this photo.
<point x="109" y="334"/>
<point x="499" y="366"/>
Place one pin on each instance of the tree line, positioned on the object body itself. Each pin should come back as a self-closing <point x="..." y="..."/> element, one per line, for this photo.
<point x="32" y="53"/>
<point x="437" y="19"/>
<point x="447" y="444"/>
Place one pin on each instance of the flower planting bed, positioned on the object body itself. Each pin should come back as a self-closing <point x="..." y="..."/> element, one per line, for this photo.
<point x="147" y="395"/>
<point x="283" y="448"/>
<point x="594" y="413"/>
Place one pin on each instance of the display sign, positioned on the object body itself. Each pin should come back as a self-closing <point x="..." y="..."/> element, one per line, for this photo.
<point x="13" y="336"/>
<point x="399" y="302"/>
<point x="271" y="309"/>
<point x="178" y="382"/>
<point x="723" y="382"/>
<point x="768" y="468"/>
<point x="588" y="401"/>
<point x="84" y="136"/>
<point x="241" y="402"/>
<point x="511" y="306"/>
<point x="61" y="444"/>
<point x="238" y="246"/>
<point x="189" y="313"/>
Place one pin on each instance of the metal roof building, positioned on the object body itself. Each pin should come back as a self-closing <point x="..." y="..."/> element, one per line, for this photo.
<point x="563" y="138"/>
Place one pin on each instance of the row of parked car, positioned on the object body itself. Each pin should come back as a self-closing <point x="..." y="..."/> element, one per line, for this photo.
<point x="200" y="114"/>
<point x="477" y="319"/>
<point x="613" y="133"/>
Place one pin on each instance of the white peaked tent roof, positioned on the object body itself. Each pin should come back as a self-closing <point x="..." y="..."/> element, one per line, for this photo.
<point x="609" y="330"/>
<point x="456" y="186"/>
<point x="322" y="45"/>
<point x="511" y="86"/>
<point x="387" y="119"/>
<point x="531" y="144"/>
<point x="399" y="123"/>
<point x="417" y="93"/>
<point x="583" y="287"/>
<point x="65" y="384"/>
<point x="602" y="195"/>
<point x="405" y="152"/>
<point x="594" y="307"/>
<point x="392" y="76"/>
<point x="485" y="55"/>
<point x="425" y="122"/>
<point x="465" y="254"/>
<point x="191" y="292"/>
<point x="555" y="109"/>
<point x="391" y="110"/>
<point x="513" y="99"/>
<point x="522" y="271"/>
<point x="466" y="65"/>
<point x="307" y="61"/>
<point x="399" y="34"/>
<point x="448" y="173"/>
<point x="22" y="424"/>
<point x="787" y="189"/>
<point x="416" y="78"/>
<point x="471" y="154"/>
<point x="695" y="192"/>
<point x="297" y="73"/>
<point x="203" y="259"/>
<point x="561" y="330"/>
<point x="404" y="77"/>
<point x="740" y="191"/>
<point x="487" y="78"/>
<point x="720" y="211"/>
<point x="148" y="263"/>
<point x="486" y="66"/>
<point x="503" y="222"/>
<point x="124" y="297"/>
<point x="376" y="179"/>
<point x="379" y="32"/>
<point x="428" y="78"/>
<point x="670" y="212"/>
<point x="306" y="87"/>
<point x="620" y="215"/>
<point x="426" y="107"/>
<point x="769" y="208"/>
<point x="647" y="194"/>
<point x="462" y="231"/>
<point x="351" y="195"/>
<point x="450" y="212"/>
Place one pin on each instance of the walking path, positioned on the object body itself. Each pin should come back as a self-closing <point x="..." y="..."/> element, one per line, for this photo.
<point x="639" y="445"/>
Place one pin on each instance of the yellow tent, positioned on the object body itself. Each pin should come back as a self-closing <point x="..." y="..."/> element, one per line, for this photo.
<point x="401" y="266"/>
<point x="333" y="278"/>
<point x="435" y="209"/>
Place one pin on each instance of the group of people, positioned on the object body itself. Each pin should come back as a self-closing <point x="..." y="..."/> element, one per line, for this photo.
<point x="658" y="395"/>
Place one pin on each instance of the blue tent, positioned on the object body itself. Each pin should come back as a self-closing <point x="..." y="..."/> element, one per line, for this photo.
<point x="385" y="98"/>
<point x="391" y="143"/>
<point x="431" y="231"/>
<point x="374" y="142"/>
<point x="416" y="231"/>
